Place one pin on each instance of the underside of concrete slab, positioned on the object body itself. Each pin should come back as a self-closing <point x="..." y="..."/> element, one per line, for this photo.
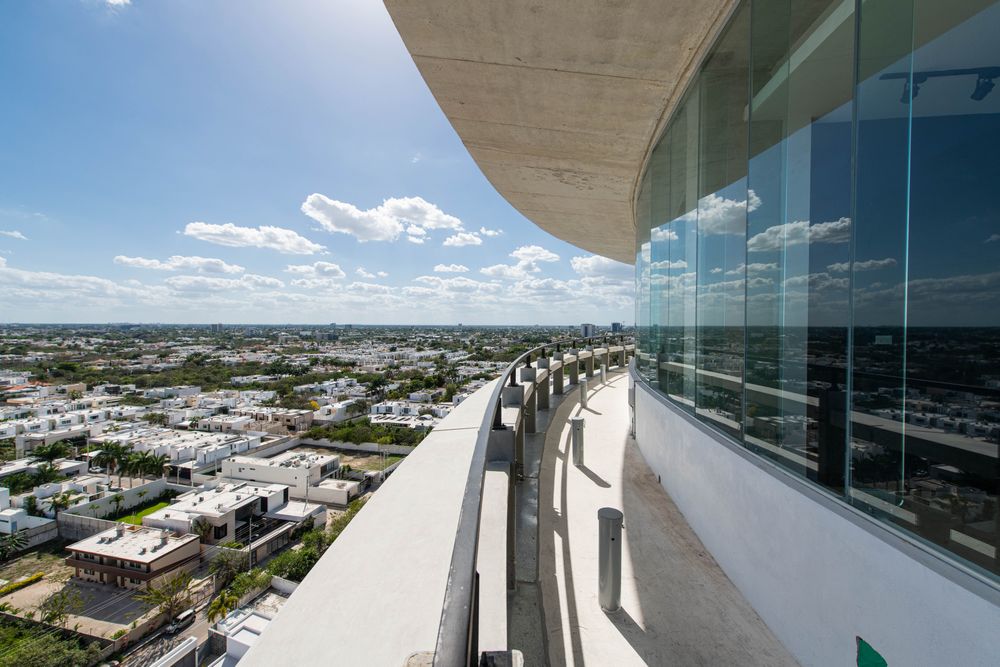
<point x="559" y="102"/>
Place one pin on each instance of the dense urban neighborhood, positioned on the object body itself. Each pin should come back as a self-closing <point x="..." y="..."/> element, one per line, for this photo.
<point x="156" y="479"/>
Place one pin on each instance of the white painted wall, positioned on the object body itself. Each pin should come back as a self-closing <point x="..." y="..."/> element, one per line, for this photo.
<point x="816" y="577"/>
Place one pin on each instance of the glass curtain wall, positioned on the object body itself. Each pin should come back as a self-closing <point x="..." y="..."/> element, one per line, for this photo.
<point x="818" y="255"/>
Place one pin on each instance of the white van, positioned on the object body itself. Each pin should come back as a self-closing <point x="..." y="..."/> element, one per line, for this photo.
<point x="184" y="619"/>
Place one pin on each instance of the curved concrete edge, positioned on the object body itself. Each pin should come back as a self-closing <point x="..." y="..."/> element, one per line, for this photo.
<point x="375" y="596"/>
<point x="560" y="103"/>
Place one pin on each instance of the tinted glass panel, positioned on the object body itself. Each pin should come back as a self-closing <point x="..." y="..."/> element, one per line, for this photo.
<point x="722" y="205"/>
<point x="799" y="233"/>
<point x="818" y="251"/>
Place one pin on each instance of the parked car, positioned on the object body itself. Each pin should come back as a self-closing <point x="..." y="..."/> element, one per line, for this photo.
<point x="96" y="469"/>
<point x="183" y="619"/>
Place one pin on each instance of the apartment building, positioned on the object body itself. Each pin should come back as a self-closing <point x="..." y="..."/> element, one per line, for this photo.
<point x="133" y="556"/>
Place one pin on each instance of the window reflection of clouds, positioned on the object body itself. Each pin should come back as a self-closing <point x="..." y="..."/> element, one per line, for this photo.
<point x="783" y="211"/>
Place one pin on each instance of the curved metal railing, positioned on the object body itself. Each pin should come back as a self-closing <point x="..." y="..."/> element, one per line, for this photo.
<point x="457" y="640"/>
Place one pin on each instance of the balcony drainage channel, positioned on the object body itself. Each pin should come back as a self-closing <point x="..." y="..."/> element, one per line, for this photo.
<point x="527" y="619"/>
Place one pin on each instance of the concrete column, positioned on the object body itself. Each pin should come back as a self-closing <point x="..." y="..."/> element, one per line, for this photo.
<point x="557" y="374"/>
<point x="588" y="363"/>
<point x="574" y="368"/>
<point x="542" y="386"/>
<point x="576" y="425"/>
<point x="513" y="397"/>
<point x="583" y="392"/>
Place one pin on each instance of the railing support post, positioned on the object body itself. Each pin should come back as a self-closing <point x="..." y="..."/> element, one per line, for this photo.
<point x="583" y="392"/>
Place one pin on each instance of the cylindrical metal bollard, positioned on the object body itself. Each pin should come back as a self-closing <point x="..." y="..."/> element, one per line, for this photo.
<point x="609" y="558"/>
<point x="583" y="392"/>
<point x="604" y="373"/>
<point x="577" y="425"/>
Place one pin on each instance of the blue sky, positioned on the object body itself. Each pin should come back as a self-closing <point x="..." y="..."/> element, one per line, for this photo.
<point x="201" y="161"/>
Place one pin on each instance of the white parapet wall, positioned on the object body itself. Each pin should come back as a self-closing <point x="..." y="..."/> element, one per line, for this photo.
<point x="819" y="574"/>
<point x="396" y="554"/>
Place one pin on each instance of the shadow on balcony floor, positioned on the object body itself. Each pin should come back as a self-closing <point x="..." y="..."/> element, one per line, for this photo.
<point x="678" y="607"/>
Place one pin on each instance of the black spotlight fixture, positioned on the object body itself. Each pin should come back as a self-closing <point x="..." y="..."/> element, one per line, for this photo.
<point x="911" y="88"/>
<point x="984" y="84"/>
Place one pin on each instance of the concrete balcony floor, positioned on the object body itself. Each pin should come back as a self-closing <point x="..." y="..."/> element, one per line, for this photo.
<point x="678" y="607"/>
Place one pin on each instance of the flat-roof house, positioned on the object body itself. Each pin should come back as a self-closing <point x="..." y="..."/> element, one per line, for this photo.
<point x="132" y="556"/>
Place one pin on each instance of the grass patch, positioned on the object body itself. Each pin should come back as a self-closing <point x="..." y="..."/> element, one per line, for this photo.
<point x="136" y="518"/>
<point x="46" y="558"/>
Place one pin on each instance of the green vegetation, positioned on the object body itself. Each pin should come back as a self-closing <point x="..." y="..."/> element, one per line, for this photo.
<point x="295" y="564"/>
<point x="11" y="544"/>
<point x="18" y="585"/>
<point x="7" y="449"/>
<point x="59" y="606"/>
<point x="363" y="431"/>
<point x="136" y="517"/>
<point x="20" y="482"/>
<point x="134" y="514"/>
<point x="227" y="565"/>
<point x="24" y="646"/>
<point x="171" y="596"/>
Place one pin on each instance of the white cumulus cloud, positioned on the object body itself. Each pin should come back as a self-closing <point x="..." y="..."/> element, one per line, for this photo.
<point x="867" y="265"/>
<point x="490" y="232"/>
<point x="327" y="270"/>
<point x="595" y="265"/>
<point x="463" y="239"/>
<point x="180" y="263"/>
<point x="528" y="257"/>
<point x="450" y="268"/>
<point x="663" y="234"/>
<point x="14" y="234"/>
<point x="273" y="238"/>
<point x="798" y="232"/>
<point x="248" y="281"/>
<point x="386" y="222"/>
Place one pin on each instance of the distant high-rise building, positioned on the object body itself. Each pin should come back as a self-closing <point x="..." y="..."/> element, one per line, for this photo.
<point x="616" y="327"/>
<point x="588" y="330"/>
<point x="216" y="328"/>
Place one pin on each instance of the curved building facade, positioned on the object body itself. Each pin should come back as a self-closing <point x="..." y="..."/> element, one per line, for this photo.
<point x="818" y="308"/>
<point x="818" y="250"/>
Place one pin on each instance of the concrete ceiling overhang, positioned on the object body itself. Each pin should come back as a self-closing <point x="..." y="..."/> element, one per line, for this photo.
<point x="559" y="101"/>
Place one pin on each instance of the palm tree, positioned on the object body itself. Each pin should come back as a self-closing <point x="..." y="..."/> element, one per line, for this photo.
<point x="11" y="544"/>
<point x="118" y="499"/>
<point x="222" y="605"/>
<point x="158" y="464"/>
<point x="141" y="462"/>
<point x="46" y="473"/>
<point x="169" y="597"/>
<point x="113" y="455"/>
<point x="51" y="452"/>
<point x="202" y="528"/>
<point x="61" y="501"/>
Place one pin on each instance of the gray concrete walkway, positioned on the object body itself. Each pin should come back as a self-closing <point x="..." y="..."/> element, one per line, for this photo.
<point x="678" y="607"/>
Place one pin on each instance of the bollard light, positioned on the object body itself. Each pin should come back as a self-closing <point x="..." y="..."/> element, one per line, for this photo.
<point x="577" y="424"/>
<point x="609" y="558"/>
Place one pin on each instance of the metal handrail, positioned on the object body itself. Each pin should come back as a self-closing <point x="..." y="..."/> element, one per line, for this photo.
<point x="457" y="631"/>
